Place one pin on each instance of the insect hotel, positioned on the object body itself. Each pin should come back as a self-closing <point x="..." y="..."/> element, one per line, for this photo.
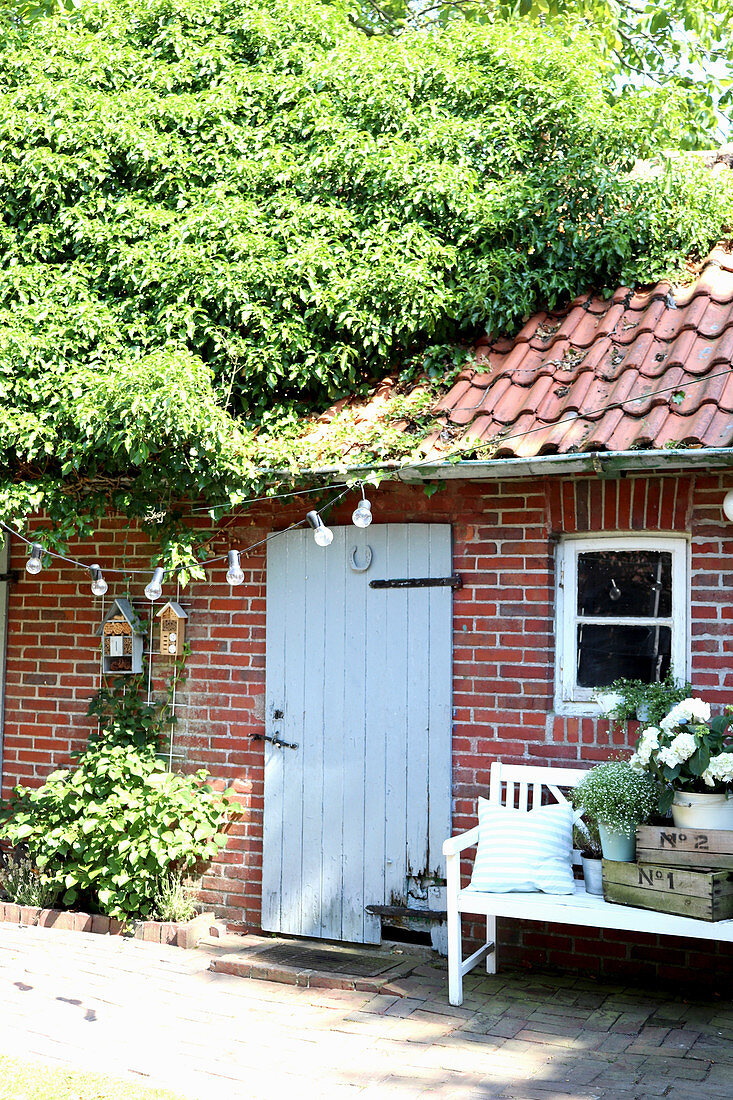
<point x="172" y="629"/>
<point x="122" y="639"/>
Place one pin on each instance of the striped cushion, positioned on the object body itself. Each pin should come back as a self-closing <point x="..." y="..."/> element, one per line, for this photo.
<point x="524" y="851"/>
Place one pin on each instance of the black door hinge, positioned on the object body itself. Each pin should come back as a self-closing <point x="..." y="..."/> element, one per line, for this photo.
<point x="456" y="581"/>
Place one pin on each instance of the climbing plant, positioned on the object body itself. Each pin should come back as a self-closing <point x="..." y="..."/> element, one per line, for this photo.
<point x="218" y="216"/>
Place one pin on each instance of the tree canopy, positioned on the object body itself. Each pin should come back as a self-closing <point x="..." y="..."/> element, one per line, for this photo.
<point x="219" y="215"/>
<point x="681" y="45"/>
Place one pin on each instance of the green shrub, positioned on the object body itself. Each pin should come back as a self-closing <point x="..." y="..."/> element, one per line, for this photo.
<point x="175" y="897"/>
<point x="22" y="883"/>
<point x="106" y="834"/>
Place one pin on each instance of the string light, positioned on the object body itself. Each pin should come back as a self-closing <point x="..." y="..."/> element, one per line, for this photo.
<point x="99" y="584"/>
<point x="322" y="534"/>
<point x="235" y="573"/>
<point x="34" y="563"/>
<point x="362" y="514"/>
<point x="154" y="589"/>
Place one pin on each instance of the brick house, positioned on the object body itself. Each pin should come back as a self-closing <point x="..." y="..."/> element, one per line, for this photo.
<point x="591" y="544"/>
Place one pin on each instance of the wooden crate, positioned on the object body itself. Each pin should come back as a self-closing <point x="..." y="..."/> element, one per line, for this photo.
<point x="692" y="848"/>
<point x="706" y="895"/>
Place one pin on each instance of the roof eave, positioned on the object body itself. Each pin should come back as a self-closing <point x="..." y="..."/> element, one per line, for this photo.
<point x="602" y="463"/>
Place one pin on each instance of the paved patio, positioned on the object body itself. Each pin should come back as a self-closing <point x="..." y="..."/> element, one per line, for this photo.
<point x="141" y="1010"/>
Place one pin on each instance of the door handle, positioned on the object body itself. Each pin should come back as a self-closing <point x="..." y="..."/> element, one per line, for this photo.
<point x="276" y="741"/>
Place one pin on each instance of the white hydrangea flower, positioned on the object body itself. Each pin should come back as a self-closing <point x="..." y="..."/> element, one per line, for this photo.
<point x="681" y="749"/>
<point x="689" y="710"/>
<point x="648" y="742"/>
<point x="636" y="762"/>
<point x="669" y="721"/>
<point x="698" y="710"/>
<point x="683" y="746"/>
<point x="719" y="770"/>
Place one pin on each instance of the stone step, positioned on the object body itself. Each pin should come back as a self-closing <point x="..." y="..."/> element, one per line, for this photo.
<point x="323" y="966"/>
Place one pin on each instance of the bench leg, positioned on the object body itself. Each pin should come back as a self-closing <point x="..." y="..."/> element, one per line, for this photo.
<point x="491" y="958"/>
<point x="455" y="949"/>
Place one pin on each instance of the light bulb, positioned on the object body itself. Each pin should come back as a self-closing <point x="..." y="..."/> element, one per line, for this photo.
<point x="154" y="589"/>
<point x="728" y="505"/>
<point x="362" y="515"/>
<point x="322" y="534"/>
<point x="35" y="561"/>
<point x="99" y="584"/>
<point x="235" y="574"/>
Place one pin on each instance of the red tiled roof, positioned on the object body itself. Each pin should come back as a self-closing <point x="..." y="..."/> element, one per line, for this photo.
<point x="635" y="370"/>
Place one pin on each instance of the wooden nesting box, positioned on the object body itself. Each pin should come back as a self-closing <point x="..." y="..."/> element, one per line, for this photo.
<point x="122" y="640"/>
<point x="172" y="629"/>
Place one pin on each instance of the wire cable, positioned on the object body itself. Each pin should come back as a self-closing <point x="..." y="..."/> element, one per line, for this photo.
<point x="207" y="561"/>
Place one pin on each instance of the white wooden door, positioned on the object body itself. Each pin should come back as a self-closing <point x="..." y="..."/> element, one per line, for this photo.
<point x="360" y="680"/>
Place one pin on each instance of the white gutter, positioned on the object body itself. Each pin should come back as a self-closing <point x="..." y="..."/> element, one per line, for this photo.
<point x="602" y="463"/>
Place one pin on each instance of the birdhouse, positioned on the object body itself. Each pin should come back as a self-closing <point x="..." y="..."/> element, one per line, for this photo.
<point x="172" y="629"/>
<point x="122" y="639"/>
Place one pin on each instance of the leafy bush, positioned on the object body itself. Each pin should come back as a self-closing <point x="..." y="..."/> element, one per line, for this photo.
<point x="616" y="795"/>
<point x="22" y="883"/>
<point x="107" y="833"/>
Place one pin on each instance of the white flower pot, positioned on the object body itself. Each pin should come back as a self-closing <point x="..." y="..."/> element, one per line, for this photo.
<point x="702" y="811"/>
<point x="643" y="711"/>
<point x="608" y="701"/>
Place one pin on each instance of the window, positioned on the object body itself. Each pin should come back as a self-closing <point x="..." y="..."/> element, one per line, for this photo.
<point x="621" y="611"/>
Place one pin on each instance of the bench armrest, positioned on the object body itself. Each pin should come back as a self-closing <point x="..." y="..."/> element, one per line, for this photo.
<point x="455" y="844"/>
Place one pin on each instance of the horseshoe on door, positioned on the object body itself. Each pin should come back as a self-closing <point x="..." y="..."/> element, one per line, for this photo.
<point x="368" y="560"/>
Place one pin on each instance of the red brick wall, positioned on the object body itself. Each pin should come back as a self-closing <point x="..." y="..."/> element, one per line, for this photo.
<point x="504" y="537"/>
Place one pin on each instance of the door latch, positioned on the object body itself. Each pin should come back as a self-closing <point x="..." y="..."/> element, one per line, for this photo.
<point x="276" y="741"/>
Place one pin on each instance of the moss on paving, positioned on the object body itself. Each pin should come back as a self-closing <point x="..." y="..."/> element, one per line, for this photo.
<point x="21" y="1079"/>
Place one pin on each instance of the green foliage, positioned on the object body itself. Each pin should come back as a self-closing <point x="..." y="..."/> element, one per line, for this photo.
<point x="680" y="45"/>
<point x="689" y="751"/>
<point x="219" y="215"/>
<point x="125" y="718"/>
<point x="587" y="838"/>
<point x="175" y="898"/>
<point x="21" y="883"/>
<point x="108" y="834"/>
<point x="655" y="699"/>
<point x="616" y="795"/>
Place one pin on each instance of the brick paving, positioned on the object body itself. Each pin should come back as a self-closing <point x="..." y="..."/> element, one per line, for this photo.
<point x="156" y="1013"/>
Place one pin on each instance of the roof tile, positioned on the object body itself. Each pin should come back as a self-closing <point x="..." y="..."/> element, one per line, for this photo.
<point x="637" y="369"/>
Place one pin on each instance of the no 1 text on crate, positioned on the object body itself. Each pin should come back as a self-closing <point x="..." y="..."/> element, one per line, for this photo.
<point x="705" y="895"/>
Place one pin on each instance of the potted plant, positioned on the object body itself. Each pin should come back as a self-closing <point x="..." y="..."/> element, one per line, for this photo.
<point x="690" y="755"/>
<point x="587" y="840"/>
<point x="618" y="797"/>
<point x="625" y="699"/>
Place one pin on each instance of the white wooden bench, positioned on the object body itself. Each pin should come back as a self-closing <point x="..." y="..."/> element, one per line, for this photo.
<point x="523" y="786"/>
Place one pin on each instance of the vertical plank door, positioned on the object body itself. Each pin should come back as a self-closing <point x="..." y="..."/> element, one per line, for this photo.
<point x="360" y="680"/>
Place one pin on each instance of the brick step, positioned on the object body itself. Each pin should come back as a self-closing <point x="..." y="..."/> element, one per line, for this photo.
<point x="249" y="960"/>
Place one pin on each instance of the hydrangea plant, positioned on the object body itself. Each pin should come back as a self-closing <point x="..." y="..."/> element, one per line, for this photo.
<point x="687" y="751"/>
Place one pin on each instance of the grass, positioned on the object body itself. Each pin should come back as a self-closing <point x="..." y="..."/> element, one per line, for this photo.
<point x="24" y="1080"/>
